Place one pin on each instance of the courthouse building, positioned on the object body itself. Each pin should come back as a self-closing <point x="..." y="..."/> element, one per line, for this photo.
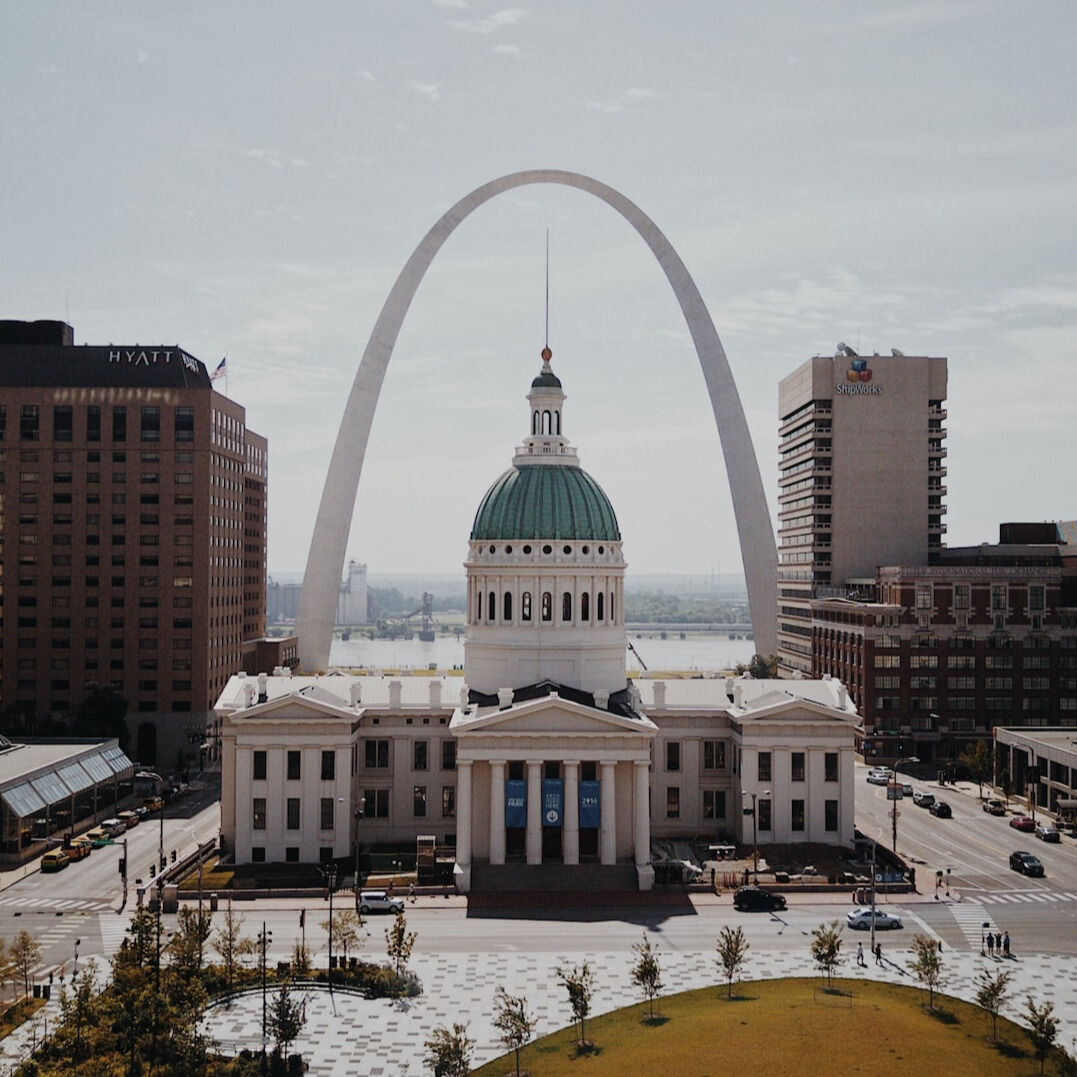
<point x="545" y="752"/>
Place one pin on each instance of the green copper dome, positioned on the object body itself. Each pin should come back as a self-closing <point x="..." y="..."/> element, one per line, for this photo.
<point x="545" y="501"/>
<point x="546" y="380"/>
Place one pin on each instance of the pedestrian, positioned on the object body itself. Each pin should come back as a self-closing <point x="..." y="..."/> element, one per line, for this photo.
<point x="998" y="943"/>
<point x="860" y="954"/>
<point x="878" y="953"/>
<point x="1006" y="944"/>
<point x="990" y="945"/>
<point x="411" y="892"/>
<point x="983" y="940"/>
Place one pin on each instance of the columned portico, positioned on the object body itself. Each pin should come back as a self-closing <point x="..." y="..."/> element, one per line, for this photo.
<point x="571" y="836"/>
<point x="534" y="811"/>
<point x="608" y="829"/>
<point x="463" y="829"/>
<point x="497" y="811"/>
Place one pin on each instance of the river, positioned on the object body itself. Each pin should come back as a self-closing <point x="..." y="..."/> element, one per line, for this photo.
<point x="696" y="652"/>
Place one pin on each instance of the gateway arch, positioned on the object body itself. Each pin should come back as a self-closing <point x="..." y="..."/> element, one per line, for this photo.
<point x="321" y="583"/>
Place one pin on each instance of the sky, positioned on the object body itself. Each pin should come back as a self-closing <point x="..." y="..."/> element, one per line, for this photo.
<point x="248" y="179"/>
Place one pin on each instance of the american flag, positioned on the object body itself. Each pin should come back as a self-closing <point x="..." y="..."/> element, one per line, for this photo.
<point x="220" y="371"/>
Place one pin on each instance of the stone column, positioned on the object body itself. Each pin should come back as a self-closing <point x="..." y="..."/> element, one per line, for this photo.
<point x="641" y="826"/>
<point x="463" y="825"/>
<point x="534" y="811"/>
<point x="570" y="836"/>
<point x="608" y="829"/>
<point x="497" y="811"/>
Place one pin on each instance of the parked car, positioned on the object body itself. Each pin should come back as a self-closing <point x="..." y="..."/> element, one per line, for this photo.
<point x="994" y="807"/>
<point x="98" y="836"/>
<point x="1046" y="832"/>
<point x="114" y="827"/>
<point x="756" y="899"/>
<point x="923" y="800"/>
<point x="860" y="920"/>
<point x="941" y="809"/>
<point x="1023" y="822"/>
<point x="878" y="776"/>
<point x="153" y="803"/>
<point x="55" y="860"/>
<point x="906" y="789"/>
<point x="1026" y="864"/>
<point x="379" y="901"/>
<point x="130" y="818"/>
<point x="78" y="848"/>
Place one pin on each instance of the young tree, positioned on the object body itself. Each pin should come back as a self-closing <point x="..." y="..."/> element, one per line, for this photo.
<point x="399" y="942"/>
<point x="1042" y="1028"/>
<point x="646" y="972"/>
<point x="826" y="949"/>
<point x="79" y="1005"/>
<point x="448" y="1054"/>
<point x="927" y="964"/>
<point x="513" y="1021"/>
<point x="230" y="944"/>
<point x="977" y="757"/>
<point x="285" y="1019"/>
<point x="7" y="966"/>
<point x="25" y="954"/>
<point x="580" y="985"/>
<point x="188" y="945"/>
<point x="346" y="931"/>
<point x="991" y="992"/>
<point x="732" y="955"/>
<point x="300" y="959"/>
<point x="763" y="667"/>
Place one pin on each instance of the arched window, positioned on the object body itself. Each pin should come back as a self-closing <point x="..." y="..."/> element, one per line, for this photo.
<point x="525" y="606"/>
<point x="599" y="617"/>
<point x="508" y="607"/>
<point x="613" y="615"/>
<point x="478" y="607"/>
<point x="557" y="422"/>
<point x="535" y="422"/>
<point x="547" y="424"/>
<point x="547" y="606"/>
<point x="493" y="607"/>
<point x="585" y="607"/>
<point x="566" y="606"/>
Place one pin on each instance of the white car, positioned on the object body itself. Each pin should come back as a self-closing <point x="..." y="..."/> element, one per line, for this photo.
<point x="379" y="901"/>
<point x="879" y="777"/>
<point x="860" y="920"/>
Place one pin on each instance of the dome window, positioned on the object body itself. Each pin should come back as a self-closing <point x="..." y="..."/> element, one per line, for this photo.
<point x="547" y="606"/>
<point x="547" y="423"/>
<point x="493" y="549"/>
<point x="508" y="607"/>
<point x="547" y="549"/>
<point x="566" y="550"/>
<point x="585" y="549"/>
<point x="566" y="606"/>
<point x="508" y="549"/>
<point x="585" y="607"/>
<point x="602" y="549"/>
<point x="493" y="607"/>
<point x="525" y="606"/>
<point x="527" y="549"/>
<point x="598" y="606"/>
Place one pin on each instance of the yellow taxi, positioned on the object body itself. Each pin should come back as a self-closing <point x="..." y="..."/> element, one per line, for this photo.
<point x="55" y="860"/>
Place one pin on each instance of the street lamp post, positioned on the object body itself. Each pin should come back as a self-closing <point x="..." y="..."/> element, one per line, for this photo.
<point x="263" y="940"/>
<point x="330" y="874"/>
<point x="358" y="812"/>
<point x="893" y="793"/>
<point x="755" y="831"/>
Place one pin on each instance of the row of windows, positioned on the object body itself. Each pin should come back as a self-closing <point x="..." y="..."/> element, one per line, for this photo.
<point x="63" y="423"/>
<point x="764" y="821"/>
<point x="376" y="754"/>
<point x="546" y="610"/>
<point x="797" y="766"/>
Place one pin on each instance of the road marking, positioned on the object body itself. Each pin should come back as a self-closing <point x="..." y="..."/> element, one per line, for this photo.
<point x="970" y="917"/>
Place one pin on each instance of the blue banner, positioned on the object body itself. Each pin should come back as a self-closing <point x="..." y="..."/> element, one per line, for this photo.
<point x="553" y="801"/>
<point x="589" y="813"/>
<point x="516" y="803"/>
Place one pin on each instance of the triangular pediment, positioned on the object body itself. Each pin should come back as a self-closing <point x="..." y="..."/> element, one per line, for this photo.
<point x="549" y="715"/>
<point x="305" y="705"/>
<point x="777" y="708"/>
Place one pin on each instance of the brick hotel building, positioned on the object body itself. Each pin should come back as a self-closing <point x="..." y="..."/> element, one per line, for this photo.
<point x="132" y="536"/>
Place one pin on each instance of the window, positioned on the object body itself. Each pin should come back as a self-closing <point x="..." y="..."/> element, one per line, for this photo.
<point x="185" y="424"/>
<point x="764" y="815"/>
<point x="961" y="596"/>
<point x="713" y="803"/>
<point x="294" y="766"/>
<point x="258" y="854"/>
<point x="1035" y="597"/>
<point x="93" y="422"/>
<point x="492" y="604"/>
<point x="377" y="754"/>
<point x="798" y="767"/>
<point x="566" y="606"/>
<point x="329" y="766"/>
<point x="292" y="813"/>
<point x="448" y="755"/>
<point x="714" y="755"/>
<point x="62" y="422"/>
<point x="119" y="424"/>
<point x="376" y="803"/>
<point x="258" y="813"/>
<point x="507" y="604"/>
<point x="418" y="801"/>
<point x="419" y="753"/>
<point x="830" y="814"/>
<point x="999" y="601"/>
<point x="830" y="766"/>
<point x="29" y="423"/>
<point x="291" y="854"/>
<point x="673" y="755"/>
<point x="673" y="802"/>
<point x="448" y="802"/>
<point x="598" y="606"/>
<point x="764" y="767"/>
<point x="547" y="606"/>
<point x="585" y="607"/>
<point x="797" y="815"/>
<point x="525" y="606"/>
<point x="151" y="423"/>
<point x="326" y="820"/>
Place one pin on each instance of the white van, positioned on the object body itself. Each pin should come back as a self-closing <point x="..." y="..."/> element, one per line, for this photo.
<point x="114" y="827"/>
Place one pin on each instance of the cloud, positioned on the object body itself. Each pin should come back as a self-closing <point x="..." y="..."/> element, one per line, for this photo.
<point x="498" y="21"/>
<point x="269" y="157"/>
<point x="427" y="89"/>
<point x="507" y="50"/>
<point x="366" y="75"/>
<point x="143" y="56"/>
<point x="626" y="100"/>
<point x="460" y="5"/>
<point x="1054" y="294"/>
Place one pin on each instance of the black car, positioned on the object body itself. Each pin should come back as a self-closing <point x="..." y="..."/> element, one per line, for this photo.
<point x="941" y="809"/>
<point x="756" y="899"/>
<point x="1026" y="863"/>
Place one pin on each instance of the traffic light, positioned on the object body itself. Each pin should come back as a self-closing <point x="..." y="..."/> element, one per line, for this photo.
<point x="173" y="856"/>
<point x="123" y="865"/>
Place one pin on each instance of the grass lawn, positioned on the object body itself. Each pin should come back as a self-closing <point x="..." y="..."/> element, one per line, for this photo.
<point x="785" y="1027"/>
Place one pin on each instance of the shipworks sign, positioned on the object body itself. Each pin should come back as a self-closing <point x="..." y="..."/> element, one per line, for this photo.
<point x="858" y="381"/>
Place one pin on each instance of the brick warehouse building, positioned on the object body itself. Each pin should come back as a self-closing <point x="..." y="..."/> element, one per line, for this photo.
<point x="133" y="530"/>
<point x="936" y="656"/>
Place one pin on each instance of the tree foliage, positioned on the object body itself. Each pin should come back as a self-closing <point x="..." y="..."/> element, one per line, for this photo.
<point x="448" y="1053"/>
<point x="25" y="953"/>
<point x="514" y="1023"/>
<point x="826" y="949"/>
<point x="977" y="757"/>
<point x="188" y="946"/>
<point x="647" y="972"/>
<point x="1042" y="1028"/>
<point x="579" y="982"/>
<point x="399" y="942"/>
<point x="230" y="944"/>
<point x="732" y="955"/>
<point x="347" y="935"/>
<point x="927" y="964"/>
<point x="285" y="1018"/>
<point x="991" y="993"/>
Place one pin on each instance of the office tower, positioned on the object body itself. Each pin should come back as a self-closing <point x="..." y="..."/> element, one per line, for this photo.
<point x="133" y="522"/>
